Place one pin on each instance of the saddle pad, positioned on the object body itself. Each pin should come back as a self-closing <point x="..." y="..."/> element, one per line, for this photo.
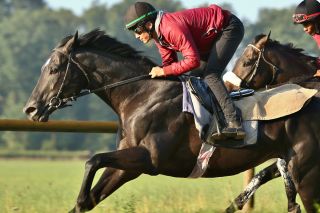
<point x="274" y="103"/>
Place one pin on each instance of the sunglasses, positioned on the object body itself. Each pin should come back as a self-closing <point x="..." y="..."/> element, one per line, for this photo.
<point x="299" y="18"/>
<point x="139" y="30"/>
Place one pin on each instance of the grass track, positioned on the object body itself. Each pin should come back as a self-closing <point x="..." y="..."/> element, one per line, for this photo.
<point x="29" y="186"/>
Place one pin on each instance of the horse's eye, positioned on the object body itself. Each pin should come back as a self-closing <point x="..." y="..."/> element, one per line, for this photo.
<point x="246" y="63"/>
<point x="53" y="70"/>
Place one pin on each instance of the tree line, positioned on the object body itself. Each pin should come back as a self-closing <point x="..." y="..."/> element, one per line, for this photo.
<point x="30" y="29"/>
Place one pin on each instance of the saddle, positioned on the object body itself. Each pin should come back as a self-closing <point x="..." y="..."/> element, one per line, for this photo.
<point x="206" y="98"/>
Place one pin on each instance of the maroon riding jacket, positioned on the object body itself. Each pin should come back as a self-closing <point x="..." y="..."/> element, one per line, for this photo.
<point x="190" y="32"/>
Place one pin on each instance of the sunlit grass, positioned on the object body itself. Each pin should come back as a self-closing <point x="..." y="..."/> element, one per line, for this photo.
<point x="52" y="186"/>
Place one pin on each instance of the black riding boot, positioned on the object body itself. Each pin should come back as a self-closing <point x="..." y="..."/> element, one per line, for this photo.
<point x="233" y="128"/>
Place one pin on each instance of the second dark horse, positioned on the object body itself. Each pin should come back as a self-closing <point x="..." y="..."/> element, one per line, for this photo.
<point x="268" y="63"/>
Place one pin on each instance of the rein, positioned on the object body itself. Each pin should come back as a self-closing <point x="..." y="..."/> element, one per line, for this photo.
<point x="109" y="86"/>
<point x="275" y="69"/>
<point x="58" y="102"/>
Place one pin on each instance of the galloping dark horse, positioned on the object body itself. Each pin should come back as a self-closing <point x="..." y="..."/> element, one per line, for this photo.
<point x="268" y="63"/>
<point x="157" y="137"/>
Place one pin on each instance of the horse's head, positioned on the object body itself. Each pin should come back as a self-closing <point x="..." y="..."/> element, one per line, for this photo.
<point x="61" y="77"/>
<point x="267" y="62"/>
<point x="247" y="70"/>
<point x="95" y="62"/>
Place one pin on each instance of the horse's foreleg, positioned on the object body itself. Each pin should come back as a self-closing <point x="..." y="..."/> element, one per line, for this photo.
<point x="135" y="160"/>
<point x="110" y="181"/>
<point x="259" y="179"/>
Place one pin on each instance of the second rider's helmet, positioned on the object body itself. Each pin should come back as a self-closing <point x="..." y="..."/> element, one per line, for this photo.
<point x="306" y="11"/>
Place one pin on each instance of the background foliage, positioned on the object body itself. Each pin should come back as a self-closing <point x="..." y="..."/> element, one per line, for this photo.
<point x="30" y="30"/>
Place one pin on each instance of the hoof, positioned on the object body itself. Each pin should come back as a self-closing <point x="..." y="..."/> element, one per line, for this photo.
<point x="295" y="209"/>
<point x="72" y="210"/>
<point x="75" y="209"/>
<point x="231" y="209"/>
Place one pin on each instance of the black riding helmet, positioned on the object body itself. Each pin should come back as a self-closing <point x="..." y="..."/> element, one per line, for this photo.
<point x="306" y="11"/>
<point x="138" y="14"/>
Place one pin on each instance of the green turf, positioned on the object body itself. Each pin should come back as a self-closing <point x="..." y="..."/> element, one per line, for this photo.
<point x="28" y="186"/>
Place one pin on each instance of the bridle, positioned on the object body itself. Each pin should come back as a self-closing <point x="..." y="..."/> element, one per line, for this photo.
<point x="58" y="102"/>
<point x="251" y="75"/>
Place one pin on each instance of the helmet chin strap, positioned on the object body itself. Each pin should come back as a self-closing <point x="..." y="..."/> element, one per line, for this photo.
<point x="316" y="23"/>
<point x="149" y="31"/>
<point x="317" y="28"/>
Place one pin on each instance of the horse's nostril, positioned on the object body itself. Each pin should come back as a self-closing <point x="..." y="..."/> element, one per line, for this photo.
<point x="29" y="110"/>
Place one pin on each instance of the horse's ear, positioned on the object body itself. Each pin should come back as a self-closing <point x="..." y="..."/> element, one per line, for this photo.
<point x="71" y="44"/>
<point x="262" y="42"/>
<point x="269" y="35"/>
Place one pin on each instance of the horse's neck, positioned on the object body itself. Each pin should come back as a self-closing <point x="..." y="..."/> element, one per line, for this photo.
<point x="294" y="66"/>
<point x="106" y="71"/>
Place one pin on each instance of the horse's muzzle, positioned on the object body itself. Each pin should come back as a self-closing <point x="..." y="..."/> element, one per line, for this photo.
<point x="37" y="113"/>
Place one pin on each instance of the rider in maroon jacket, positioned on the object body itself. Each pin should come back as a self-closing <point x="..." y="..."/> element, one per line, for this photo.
<point x="307" y="13"/>
<point x="210" y="34"/>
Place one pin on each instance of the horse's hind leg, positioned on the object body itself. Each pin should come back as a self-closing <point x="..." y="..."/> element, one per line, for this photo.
<point x="304" y="164"/>
<point x="309" y="189"/>
<point x="293" y="206"/>
<point x="110" y="181"/>
<point x="261" y="178"/>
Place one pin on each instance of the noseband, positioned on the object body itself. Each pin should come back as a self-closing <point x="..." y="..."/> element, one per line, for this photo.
<point x="275" y="69"/>
<point x="58" y="102"/>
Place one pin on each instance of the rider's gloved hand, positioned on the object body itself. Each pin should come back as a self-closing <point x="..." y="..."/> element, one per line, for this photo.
<point x="156" y="72"/>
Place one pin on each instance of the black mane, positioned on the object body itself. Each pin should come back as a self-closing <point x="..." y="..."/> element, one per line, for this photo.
<point x="289" y="47"/>
<point x="97" y="39"/>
